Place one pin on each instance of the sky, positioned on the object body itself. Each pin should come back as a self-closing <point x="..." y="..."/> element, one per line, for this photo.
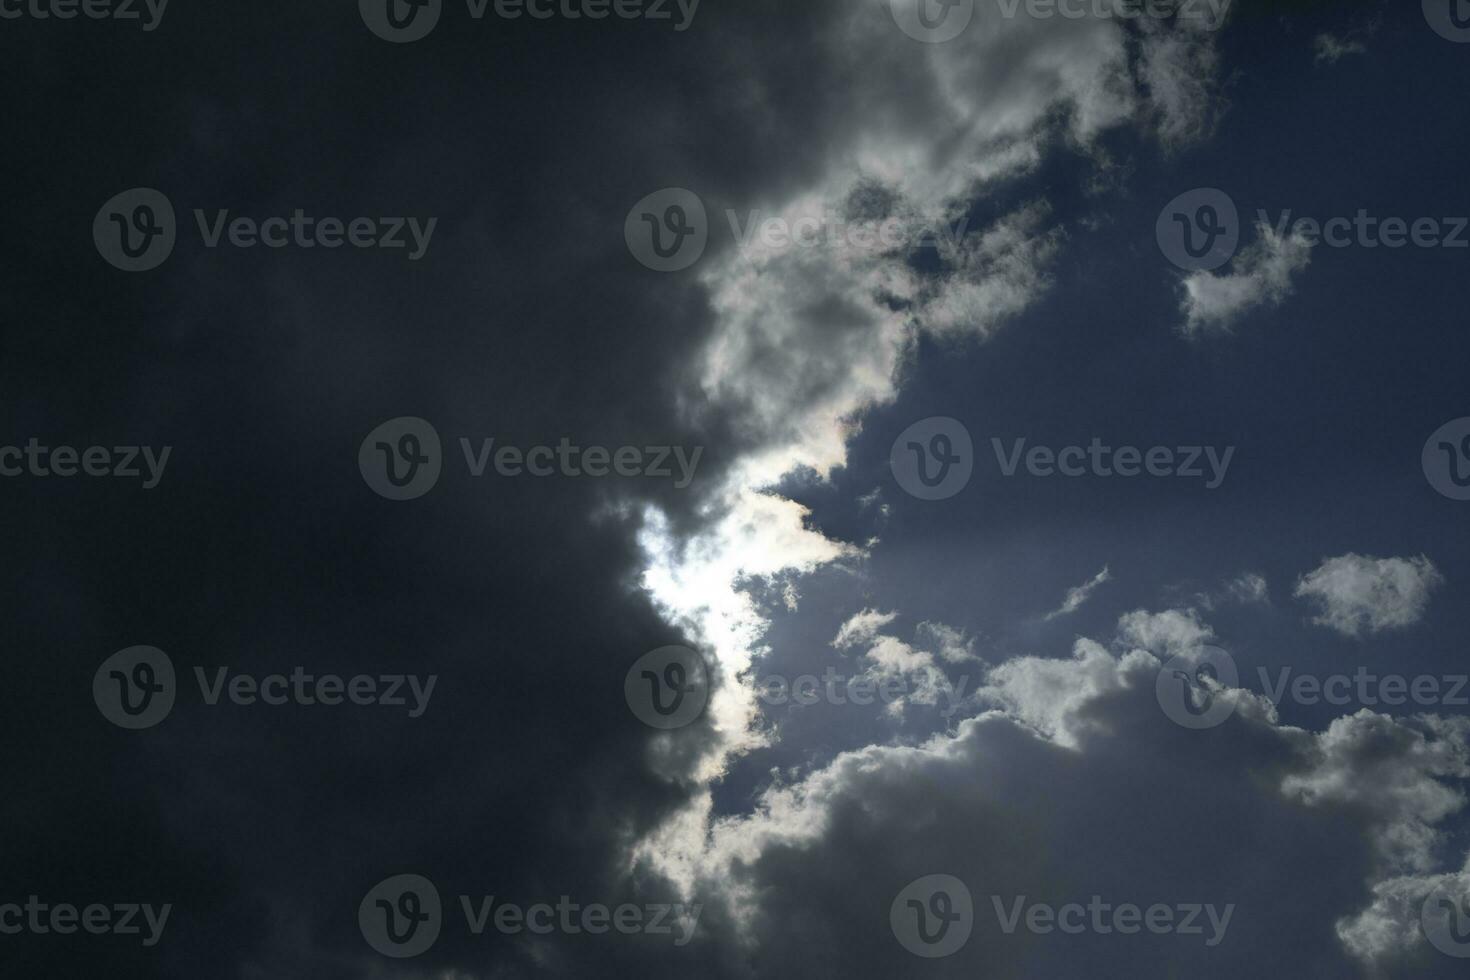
<point x="862" y="488"/>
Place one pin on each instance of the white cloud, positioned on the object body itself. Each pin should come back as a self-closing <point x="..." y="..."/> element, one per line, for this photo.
<point x="1079" y="595"/>
<point x="861" y="628"/>
<point x="808" y="339"/>
<point x="1326" y="818"/>
<point x="1261" y="275"/>
<point x="949" y="643"/>
<point x="1166" y="633"/>
<point x="1356" y="593"/>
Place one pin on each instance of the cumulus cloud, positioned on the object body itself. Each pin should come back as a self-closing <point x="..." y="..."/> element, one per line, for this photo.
<point x="1079" y="595"/>
<point x="1357" y="594"/>
<point x="1166" y="633"/>
<point x="1261" y="276"/>
<point x="808" y="336"/>
<point x="1328" y="823"/>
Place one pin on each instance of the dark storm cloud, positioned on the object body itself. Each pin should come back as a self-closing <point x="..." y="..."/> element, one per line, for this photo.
<point x="526" y="320"/>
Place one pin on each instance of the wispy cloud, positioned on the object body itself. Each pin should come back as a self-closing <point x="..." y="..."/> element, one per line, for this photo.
<point x="1076" y="597"/>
